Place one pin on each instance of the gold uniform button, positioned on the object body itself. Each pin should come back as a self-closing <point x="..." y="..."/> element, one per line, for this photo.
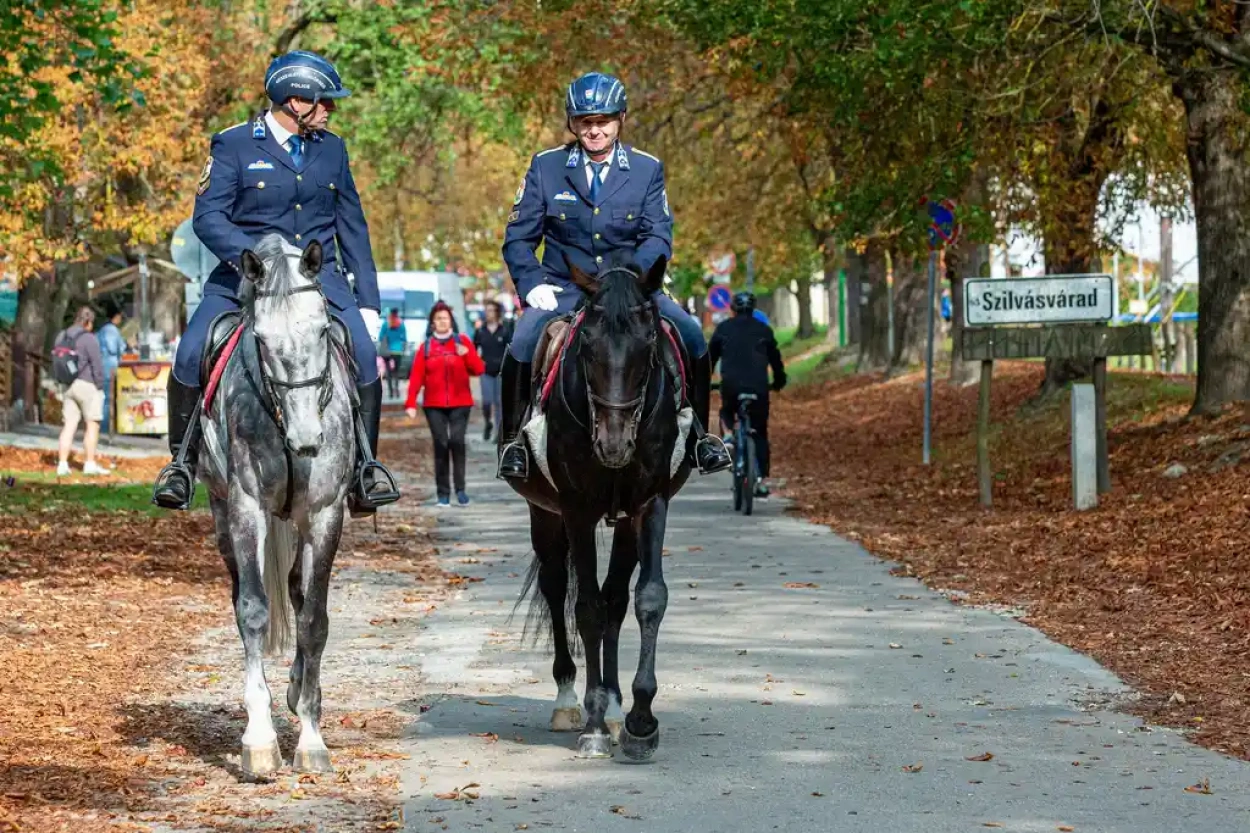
<point x="297" y="237"/>
<point x="598" y="236"/>
<point x="299" y="178"/>
<point x="331" y="186"/>
<point x="260" y="184"/>
<point x="599" y="259"/>
<point x="596" y="211"/>
<point x="629" y="216"/>
<point x="299" y="207"/>
<point x="562" y="215"/>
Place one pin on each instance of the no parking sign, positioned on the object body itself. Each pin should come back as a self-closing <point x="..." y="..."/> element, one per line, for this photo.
<point x="719" y="298"/>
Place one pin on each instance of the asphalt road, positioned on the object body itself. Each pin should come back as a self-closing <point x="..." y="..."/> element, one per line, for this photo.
<point x="864" y="703"/>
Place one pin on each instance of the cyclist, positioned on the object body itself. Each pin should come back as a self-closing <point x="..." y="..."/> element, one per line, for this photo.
<point x="746" y="348"/>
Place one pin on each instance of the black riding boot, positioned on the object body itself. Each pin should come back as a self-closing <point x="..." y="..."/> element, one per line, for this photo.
<point x="709" y="453"/>
<point x="373" y="485"/>
<point x="175" y="485"/>
<point x="516" y="381"/>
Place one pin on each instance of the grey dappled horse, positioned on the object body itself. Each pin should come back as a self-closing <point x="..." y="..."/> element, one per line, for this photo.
<point x="280" y="455"/>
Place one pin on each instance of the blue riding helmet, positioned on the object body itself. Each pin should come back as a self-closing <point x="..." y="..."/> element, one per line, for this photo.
<point x="301" y="74"/>
<point x="743" y="303"/>
<point x="595" y="94"/>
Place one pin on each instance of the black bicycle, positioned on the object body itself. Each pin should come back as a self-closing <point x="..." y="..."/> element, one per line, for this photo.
<point x="746" y="468"/>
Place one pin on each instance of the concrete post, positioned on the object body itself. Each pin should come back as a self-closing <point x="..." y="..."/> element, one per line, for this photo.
<point x="1084" y="447"/>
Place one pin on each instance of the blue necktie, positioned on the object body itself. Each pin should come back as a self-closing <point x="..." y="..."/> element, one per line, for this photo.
<point x="596" y="169"/>
<point x="297" y="151"/>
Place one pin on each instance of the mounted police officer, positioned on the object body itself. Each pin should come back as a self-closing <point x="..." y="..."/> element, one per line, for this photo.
<point x="284" y="173"/>
<point x="591" y="201"/>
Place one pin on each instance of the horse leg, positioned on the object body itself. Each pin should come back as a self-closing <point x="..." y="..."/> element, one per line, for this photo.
<point x="551" y="548"/>
<point x="616" y="605"/>
<point x="312" y="627"/>
<point x="594" y="742"/>
<point x="641" y="735"/>
<point x="295" y="588"/>
<point x="247" y="531"/>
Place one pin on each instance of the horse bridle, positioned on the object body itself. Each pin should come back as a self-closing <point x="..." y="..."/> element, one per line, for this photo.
<point x="320" y="381"/>
<point x="637" y="404"/>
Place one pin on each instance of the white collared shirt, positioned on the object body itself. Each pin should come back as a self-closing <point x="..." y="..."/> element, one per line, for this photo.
<point x="603" y="174"/>
<point x="280" y="133"/>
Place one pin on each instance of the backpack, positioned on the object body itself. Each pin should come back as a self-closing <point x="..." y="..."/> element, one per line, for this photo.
<point x="64" y="359"/>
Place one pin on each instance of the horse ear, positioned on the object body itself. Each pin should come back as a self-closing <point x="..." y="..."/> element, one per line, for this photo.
<point x="653" y="281"/>
<point x="310" y="262"/>
<point x="588" y="283"/>
<point x="253" y="268"/>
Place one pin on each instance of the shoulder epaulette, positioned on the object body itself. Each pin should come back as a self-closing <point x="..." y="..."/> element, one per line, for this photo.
<point x="643" y="153"/>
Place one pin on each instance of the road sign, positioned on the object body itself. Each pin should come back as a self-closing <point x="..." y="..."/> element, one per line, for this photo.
<point x="723" y="265"/>
<point x="190" y="255"/>
<point x="1054" y="299"/>
<point x="719" y="298"/>
<point x="943" y="230"/>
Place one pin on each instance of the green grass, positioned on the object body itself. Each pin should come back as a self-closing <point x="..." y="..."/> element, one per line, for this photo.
<point x="34" y="494"/>
<point x="792" y="346"/>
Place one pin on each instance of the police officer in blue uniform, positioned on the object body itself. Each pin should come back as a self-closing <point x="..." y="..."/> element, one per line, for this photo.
<point x="592" y="201"/>
<point x="284" y="173"/>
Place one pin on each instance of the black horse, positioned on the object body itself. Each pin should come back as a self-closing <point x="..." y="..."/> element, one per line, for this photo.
<point x="612" y="418"/>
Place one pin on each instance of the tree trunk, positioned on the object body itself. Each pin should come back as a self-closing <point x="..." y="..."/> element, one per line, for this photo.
<point x="1221" y="190"/>
<point x="967" y="259"/>
<point x="874" y="349"/>
<point x="833" y="303"/>
<point x="803" y="294"/>
<point x="32" y="327"/>
<point x="168" y="295"/>
<point x="911" y="327"/>
<point x="856" y="269"/>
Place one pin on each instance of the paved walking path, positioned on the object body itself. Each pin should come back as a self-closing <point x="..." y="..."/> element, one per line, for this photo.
<point x="859" y="704"/>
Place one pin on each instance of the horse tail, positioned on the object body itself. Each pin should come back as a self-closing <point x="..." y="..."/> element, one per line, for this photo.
<point x="280" y="543"/>
<point x="538" y="629"/>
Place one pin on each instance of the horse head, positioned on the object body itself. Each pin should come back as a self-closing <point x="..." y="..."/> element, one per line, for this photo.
<point x="618" y="348"/>
<point x="291" y="324"/>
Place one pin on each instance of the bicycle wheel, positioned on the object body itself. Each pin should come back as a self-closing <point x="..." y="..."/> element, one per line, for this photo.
<point x="737" y="471"/>
<point x="748" y="476"/>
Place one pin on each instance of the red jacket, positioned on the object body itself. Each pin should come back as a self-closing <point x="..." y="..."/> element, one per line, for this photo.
<point x="444" y="375"/>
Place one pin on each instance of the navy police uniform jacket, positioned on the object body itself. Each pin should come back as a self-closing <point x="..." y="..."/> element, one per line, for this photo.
<point x="631" y="218"/>
<point x="250" y="187"/>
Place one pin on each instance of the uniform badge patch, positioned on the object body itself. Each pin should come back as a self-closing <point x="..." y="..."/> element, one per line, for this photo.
<point x="514" y="216"/>
<point x="260" y="165"/>
<point x="666" y="214"/>
<point x="565" y="196"/>
<point x="204" y="176"/>
<point x="520" y="193"/>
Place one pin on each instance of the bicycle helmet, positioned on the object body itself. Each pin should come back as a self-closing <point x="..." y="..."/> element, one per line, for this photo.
<point x="743" y="303"/>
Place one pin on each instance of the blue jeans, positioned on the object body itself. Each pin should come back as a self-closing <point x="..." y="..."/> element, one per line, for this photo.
<point x="492" y="398"/>
<point x="191" y="347"/>
<point x="529" y="326"/>
<point x="109" y="371"/>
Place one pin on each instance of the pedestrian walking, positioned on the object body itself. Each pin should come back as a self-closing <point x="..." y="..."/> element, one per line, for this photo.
<point x="441" y="367"/>
<point x="492" y="340"/>
<point x="112" y="346"/>
<point x="77" y="363"/>
<point x="391" y="344"/>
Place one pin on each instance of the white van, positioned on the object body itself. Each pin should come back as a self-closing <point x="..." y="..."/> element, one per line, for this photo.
<point x="413" y="293"/>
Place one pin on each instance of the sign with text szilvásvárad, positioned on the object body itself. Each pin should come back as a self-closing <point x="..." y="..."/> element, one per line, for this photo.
<point x="1054" y="299"/>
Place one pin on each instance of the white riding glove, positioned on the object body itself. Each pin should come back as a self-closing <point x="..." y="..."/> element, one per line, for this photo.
<point x="543" y="297"/>
<point x="373" y="323"/>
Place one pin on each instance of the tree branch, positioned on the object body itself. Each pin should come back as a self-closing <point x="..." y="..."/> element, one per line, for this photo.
<point x="283" y="44"/>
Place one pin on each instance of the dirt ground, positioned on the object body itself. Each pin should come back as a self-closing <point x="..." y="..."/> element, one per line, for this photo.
<point x="112" y="716"/>
<point x="1154" y="583"/>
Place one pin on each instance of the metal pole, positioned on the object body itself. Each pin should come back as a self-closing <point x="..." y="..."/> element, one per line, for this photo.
<point x="928" y="359"/>
<point x="144" y="323"/>
<point x="1165" y="292"/>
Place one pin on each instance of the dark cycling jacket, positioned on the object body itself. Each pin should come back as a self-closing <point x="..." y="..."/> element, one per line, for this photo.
<point x="745" y="348"/>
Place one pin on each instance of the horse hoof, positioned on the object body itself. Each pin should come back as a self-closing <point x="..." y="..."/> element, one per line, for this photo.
<point x="568" y="720"/>
<point x="313" y="760"/>
<point x="259" y="761"/>
<point x="639" y="749"/>
<point x="594" y="746"/>
<point x="615" y="727"/>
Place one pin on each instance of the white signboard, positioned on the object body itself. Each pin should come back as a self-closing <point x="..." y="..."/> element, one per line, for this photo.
<point x="1054" y="299"/>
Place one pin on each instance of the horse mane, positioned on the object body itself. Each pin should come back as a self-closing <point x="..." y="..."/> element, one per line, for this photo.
<point x="619" y="296"/>
<point x="281" y="275"/>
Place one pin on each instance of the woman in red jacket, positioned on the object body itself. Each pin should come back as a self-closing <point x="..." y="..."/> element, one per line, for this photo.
<point x="443" y="365"/>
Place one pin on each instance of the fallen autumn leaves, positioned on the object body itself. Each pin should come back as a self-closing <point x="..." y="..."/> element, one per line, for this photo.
<point x="1155" y="583"/>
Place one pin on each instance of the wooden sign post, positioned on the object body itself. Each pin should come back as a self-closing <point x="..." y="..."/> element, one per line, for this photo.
<point x="1023" y="301"/>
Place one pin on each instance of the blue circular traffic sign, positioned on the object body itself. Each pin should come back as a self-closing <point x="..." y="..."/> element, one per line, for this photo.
<point x="943" y="229"/>
<point x="719" y="298"/>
